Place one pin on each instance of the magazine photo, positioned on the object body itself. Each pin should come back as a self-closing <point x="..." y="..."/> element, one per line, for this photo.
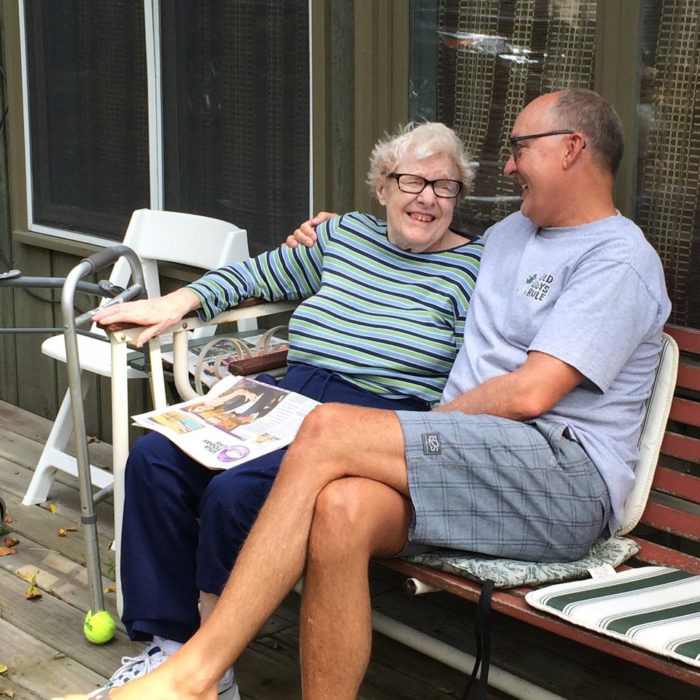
<point x="238" y="420"/>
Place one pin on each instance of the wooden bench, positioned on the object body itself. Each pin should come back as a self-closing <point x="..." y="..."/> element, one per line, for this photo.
<point x="669" y="530"/>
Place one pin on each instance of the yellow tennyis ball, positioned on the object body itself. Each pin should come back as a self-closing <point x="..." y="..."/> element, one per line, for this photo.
<point x="99" y="628"/>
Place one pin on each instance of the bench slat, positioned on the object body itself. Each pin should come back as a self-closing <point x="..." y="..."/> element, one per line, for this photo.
<point x="688" y="377"/>
<point x="682" y="447"/>
<point x="688" y="339"/>
<point x="671" y="520"/>
<point x="658" y="555"/>
<point x="677" y="483"/>
<point x="685" y="411"/>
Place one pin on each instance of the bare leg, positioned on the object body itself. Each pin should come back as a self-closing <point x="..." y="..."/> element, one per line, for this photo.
<point x="355" y="518"/>
<point x="335" y="441"/>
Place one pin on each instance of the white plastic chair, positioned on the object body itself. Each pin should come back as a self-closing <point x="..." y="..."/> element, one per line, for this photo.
<point x="156" y="237"/>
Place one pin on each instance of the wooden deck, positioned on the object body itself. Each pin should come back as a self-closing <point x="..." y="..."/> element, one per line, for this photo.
<point x="42" y="645"/>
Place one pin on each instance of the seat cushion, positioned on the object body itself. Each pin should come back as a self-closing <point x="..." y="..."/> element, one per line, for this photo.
<point x="507" y="573"/>
<point x="653" y="607"/>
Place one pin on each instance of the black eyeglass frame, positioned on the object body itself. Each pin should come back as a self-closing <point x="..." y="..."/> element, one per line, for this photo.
<point x="557" y="132"/>
<point x="426" y="182"/>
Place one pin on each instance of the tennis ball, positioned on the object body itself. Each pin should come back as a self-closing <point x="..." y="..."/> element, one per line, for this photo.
<point x="98" y="628"/>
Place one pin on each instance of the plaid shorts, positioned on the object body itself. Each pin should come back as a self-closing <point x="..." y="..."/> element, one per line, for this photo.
<point x="501" y="487"/>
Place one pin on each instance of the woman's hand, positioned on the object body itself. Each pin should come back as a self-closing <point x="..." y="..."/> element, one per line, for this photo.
<point x="156" y="314"/>
<point x="306" y="233"/>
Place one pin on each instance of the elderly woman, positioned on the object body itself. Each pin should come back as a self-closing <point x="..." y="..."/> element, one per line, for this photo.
<point x="380" y="323"/>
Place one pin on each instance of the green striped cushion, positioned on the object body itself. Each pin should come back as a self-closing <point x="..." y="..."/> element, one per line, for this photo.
<point x="653" y="607"/>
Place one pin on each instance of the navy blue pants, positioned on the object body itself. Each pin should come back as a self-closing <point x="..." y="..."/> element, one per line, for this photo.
<point x="184" y="524"/>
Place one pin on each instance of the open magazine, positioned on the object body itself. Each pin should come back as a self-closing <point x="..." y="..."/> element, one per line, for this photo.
<point x="238" y="420"/>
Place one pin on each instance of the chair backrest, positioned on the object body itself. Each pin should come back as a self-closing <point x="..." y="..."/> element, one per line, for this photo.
<point x="652" y="434"/>
<point x="177" y="237"/>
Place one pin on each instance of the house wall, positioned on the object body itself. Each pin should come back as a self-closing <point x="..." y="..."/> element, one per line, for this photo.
<point x="360" y="61"/>
<point x="359" y="93"/>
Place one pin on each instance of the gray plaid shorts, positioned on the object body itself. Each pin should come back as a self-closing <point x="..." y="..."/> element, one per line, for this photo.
<point x="501" y="487"/>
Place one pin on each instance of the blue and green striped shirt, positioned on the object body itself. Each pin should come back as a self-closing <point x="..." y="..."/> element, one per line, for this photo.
<point x="385" y="319"/>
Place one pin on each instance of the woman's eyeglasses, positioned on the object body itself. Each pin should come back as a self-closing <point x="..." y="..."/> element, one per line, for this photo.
<point x="415" y="184"/>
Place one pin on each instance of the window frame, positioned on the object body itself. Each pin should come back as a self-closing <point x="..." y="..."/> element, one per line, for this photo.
<point x="154" y="76"/>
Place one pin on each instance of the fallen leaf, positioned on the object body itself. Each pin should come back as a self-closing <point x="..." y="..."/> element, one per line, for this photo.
<point x="8" y="519"/>
<point x="7" y="692"/>
<point x="72" y="528"/>
<point x="91" y="440"/>
<point x="11" y="541"/>
<point x="6" y="551"/>
<point x="33" y="591"/>
<point x="61" y="532"/>
<point x="3" y="668"/>
<point x="53" y="507"/>
<point x="16" y="471"/>
<point x="110" y="589"/>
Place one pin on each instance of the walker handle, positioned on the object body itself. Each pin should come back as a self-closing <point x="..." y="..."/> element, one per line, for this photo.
<point x="103" y="258"/>
<point x="106" y="256"/>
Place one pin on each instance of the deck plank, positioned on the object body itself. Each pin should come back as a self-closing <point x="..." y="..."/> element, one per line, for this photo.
<point x="37" y="669"/>
<point x="56" y="574"/>
<point x="42" y="526"/>
<point x="35" y="429"/>
<point x="57" y="624"/>
<point x="48" y="654"/>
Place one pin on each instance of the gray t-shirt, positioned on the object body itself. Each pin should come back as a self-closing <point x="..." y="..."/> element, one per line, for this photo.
<point x="592" y="296"/>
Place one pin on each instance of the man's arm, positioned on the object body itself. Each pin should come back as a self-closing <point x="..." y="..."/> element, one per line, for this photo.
<point x="306" y="233"/>
<point x="532" y="389"/>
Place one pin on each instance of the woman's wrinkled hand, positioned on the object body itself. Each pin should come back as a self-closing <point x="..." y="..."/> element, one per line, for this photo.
<point x="154" y="314"/>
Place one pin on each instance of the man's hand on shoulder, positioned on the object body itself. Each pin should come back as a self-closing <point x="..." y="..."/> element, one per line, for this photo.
<point x="306" y="233"/>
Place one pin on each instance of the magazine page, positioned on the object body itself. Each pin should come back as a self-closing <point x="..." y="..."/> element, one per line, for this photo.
<point x="238" y="420"/>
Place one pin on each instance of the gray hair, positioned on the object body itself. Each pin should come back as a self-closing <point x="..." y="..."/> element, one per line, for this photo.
<point x="421" y="141"/>
<point x="591" y="114"/>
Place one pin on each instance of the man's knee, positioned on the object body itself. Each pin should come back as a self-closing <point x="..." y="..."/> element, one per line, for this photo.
<point x="340" y="519"/>
<point x="315" y="445"/>
<point x="320" y="424"/>
<point x="331" y="427"/>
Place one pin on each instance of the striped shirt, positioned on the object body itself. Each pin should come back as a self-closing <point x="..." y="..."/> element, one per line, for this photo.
<point x="387" y="320"/>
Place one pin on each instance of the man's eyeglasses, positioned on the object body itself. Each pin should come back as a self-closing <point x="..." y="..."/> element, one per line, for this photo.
<point x="514" y="140"/>
<point x="415" y="184"/>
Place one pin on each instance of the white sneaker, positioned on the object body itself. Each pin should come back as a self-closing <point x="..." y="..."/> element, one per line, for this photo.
<point x="152" y="657"/>
<point x="136" y="666"/>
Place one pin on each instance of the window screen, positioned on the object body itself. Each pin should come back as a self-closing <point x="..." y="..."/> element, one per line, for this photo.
<point x="87" y="109"/>
<point x="493" y="57"/>
<point x="669" y="149"/>
<point x="235" y="108"/>
<point x="236" y="113"/>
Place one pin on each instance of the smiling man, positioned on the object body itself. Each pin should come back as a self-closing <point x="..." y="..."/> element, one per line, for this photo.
<point x="530" y="454"/>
